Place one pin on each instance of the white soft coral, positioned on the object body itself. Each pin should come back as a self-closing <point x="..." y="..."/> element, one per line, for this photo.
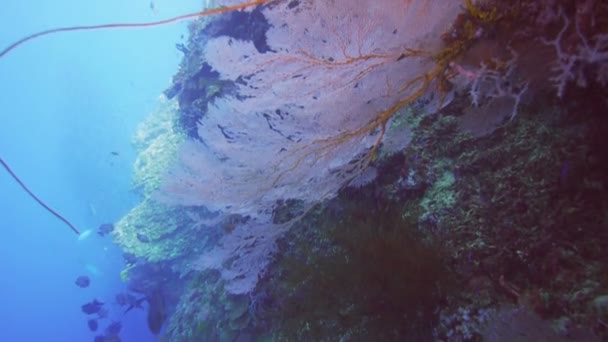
<point x="590" y="51"/>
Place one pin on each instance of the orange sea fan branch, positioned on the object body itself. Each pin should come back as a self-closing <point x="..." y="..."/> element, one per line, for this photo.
<point x="204" y="13"/>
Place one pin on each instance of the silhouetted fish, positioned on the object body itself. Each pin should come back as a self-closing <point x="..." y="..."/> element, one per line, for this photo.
<point x="83" y="281"/>
<point x="92" y="307"/>
<point x="129" y="258"/>
<point x="121" y="299"/>
<point x="114" y="328"/>
<point x="153" y="7"/>
<point x="92" y="323"/>
<point x="129" y="300"/>
<point x="105" y="228"/>
<point x="143" y="238"/>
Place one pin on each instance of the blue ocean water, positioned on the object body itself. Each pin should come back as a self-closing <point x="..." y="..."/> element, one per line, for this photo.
<point x="69" y="104"/>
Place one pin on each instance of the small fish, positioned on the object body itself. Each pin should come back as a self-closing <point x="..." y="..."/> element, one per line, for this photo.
<point x="114" y="153"/>
<point x="143" y="238"/>
<point x="85" y="235"/>
<point x="153" y="7"/>
<point x="92" y="307"/>
<point x="124" y="299"/>
<point x="105" y="229"/>
<point x="134" y="302"/>
<point x="121" y="299"/>
<point x="114" y="328"/>
<point x="129" y="258"/>
<point x="92" y="323"/>
<point x="83" y="281"/>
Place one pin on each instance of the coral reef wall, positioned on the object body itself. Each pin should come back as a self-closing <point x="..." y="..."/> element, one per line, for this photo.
<point x="311" y="144"/>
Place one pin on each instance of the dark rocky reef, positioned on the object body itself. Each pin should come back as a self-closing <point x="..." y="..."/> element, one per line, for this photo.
<point x="196" y="84"/>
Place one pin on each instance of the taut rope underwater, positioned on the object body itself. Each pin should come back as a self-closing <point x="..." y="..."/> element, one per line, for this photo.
<point x="133" y="25"/>
<point x="108" y="26"/>
<point x="24" y="187"/>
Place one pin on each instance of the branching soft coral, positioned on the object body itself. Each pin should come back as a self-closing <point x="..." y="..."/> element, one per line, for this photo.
<point x="572" y="59"/>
